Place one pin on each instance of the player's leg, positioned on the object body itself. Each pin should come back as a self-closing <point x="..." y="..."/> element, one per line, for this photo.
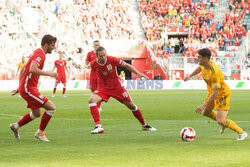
<point x="35" y="113"/>
<point x="221" y="118"/>
<point x="209" y="112"/>
<point x="94" y="86"/>
<point x="138" y="115"/>
<point x="64" y="90"/>
<point x="93" y="100"/>
<point x="50" y="110"/>
<point x="54" y="90"/>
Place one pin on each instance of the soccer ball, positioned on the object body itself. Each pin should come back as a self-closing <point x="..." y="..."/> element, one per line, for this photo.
<point x="187" y="134"/>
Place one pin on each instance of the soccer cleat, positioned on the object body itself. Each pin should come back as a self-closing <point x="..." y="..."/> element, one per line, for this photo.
<point x="64" y="95"/>
<point x="148" y="128"/>
<point x="53" y="95"/>
<point x="15" y="131"/>
<point x="222" y="130"/>
<point x="41" y="136"/>
<point x="97" y="130"/>
<point x="242" y="136"/>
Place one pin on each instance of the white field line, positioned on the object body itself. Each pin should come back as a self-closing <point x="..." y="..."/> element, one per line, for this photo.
<point x="9" y="116"/>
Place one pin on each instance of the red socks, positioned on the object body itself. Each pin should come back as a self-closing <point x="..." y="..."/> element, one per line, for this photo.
<point x="137" y="113"/>
<point x="95" y="113"/>
<point x="64" y="90"/>
<point x="26" y="119"/>
<point x="45" y="120"/>
<point x="54" y="91"/>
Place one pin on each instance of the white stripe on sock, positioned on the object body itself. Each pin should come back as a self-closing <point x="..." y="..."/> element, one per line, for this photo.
<point x="136" y="108"/>
<point x="92" y="104"/>
<point x="50" y="112"/>
<point x="32" y="116"/>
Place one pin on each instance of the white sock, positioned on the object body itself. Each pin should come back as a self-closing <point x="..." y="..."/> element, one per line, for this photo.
<point x="16" y="125"/>
<point x="40" y="131"/>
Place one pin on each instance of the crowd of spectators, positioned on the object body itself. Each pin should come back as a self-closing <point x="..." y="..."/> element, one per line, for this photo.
<point x="199" y="15"/>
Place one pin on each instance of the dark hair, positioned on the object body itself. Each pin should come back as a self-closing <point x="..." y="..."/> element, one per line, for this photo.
<point x="96" y="41"/>
<point x="99" y="49"/>
<point x="205" y="52"/>
<point x="48" y="39"/>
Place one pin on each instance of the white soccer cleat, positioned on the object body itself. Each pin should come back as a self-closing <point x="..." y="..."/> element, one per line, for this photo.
<point x="15" y="131"/>
<point x="242" y="136"/>
<point x="53" y="95"/>
<point x="97" y="130"/>
<point x="148" y="128"/>
<point x="64" y="95"/>
<point x="222" y="130"/>
<point x="41" y="136"/>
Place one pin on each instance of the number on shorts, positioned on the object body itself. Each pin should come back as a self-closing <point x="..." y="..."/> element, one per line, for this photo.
<point x="125" y="94"/>
<point x="222" y="100"/>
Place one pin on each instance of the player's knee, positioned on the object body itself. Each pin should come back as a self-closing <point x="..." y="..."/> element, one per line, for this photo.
<point x="36" y="114"/>
<point x="91" y="100"/>
<point x="52" y="107"/>
<point x="221" y="121"/>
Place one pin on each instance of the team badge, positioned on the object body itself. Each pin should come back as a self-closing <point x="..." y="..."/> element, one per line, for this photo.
<point x="105" y="73"/>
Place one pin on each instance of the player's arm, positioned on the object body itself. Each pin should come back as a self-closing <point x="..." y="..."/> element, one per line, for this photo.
<point x="134" y="70"/>
<point x="195" y="72"/>
<point x="19" y="78"/>
<point x="35" y="70"/>
<point x="214" y="94"/>
<point x="53" y="68"/>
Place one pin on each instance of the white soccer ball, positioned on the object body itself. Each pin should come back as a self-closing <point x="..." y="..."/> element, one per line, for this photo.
<point x="187" y="134"/>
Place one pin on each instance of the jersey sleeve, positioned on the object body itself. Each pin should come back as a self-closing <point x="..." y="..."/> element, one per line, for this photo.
<point x="38" y="59"/>
<point x="65" y="63"/>
<point x="88" y="58"/>
<point x="116" y="61"/>
<point x="55" y="63"/>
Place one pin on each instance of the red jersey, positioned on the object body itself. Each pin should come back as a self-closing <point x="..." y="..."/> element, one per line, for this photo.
<point x="60" y="65"/>
<point x="91" y="57"/>
<point x="107" y="74"/>
<point x="28" y="79"/>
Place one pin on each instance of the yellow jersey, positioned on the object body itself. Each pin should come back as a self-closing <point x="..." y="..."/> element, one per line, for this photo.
<point x="215" y="79"/>
<point x="21" y="64"/>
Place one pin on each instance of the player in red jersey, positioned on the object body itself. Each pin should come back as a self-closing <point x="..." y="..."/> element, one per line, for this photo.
<point x="91" y="56"/>
<point x="61" y="66"/>
<point x="28" y="81"/>
<point x="109" y="85"/>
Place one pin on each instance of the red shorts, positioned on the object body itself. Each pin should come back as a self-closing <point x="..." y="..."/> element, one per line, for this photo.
<point x="119" y="94"/>
<point x="61" y="78"/>
<point x="34" y="98"/>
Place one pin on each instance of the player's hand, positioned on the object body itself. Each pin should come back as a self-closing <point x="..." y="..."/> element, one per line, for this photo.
<point x="13" y="92"/>
<point x="186" y="78"/>
<point x="199" y="109"/>
<point x="142" y="76"/>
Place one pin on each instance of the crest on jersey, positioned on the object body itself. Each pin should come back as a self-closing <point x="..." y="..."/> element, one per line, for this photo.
<point x="38" y="59"/>
<point x="109" y="67"/>
<point x="105" y="73"/>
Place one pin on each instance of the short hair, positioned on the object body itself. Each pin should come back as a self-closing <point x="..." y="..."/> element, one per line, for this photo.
<point x="96" y="41"/>
<point x="205" y="52"/>
<point x="99" y="49"/>
<point x="48" y="39"/>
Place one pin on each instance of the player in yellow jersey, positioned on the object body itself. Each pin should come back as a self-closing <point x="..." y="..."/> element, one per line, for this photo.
<point x="218" y="96"/>
<point x="21" y="64"/>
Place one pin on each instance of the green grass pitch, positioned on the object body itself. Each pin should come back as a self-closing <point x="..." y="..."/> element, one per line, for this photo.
<point x="123" y="143"/>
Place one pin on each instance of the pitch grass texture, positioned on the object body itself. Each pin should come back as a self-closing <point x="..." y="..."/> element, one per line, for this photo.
<point x="123" y="143"/>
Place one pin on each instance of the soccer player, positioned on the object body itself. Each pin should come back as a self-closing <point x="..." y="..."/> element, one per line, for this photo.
<point x="28" y="81"/>
<point x="91" y="56"/>
<point x="20" y="65"/>
<point x="61" y="66"/>
<point x="219" y="93"/>
<point x="109" y="85"/>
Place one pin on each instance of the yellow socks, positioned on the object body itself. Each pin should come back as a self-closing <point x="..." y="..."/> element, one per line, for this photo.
<point x="232" y="125"/>
<point x="213" y="115"/>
